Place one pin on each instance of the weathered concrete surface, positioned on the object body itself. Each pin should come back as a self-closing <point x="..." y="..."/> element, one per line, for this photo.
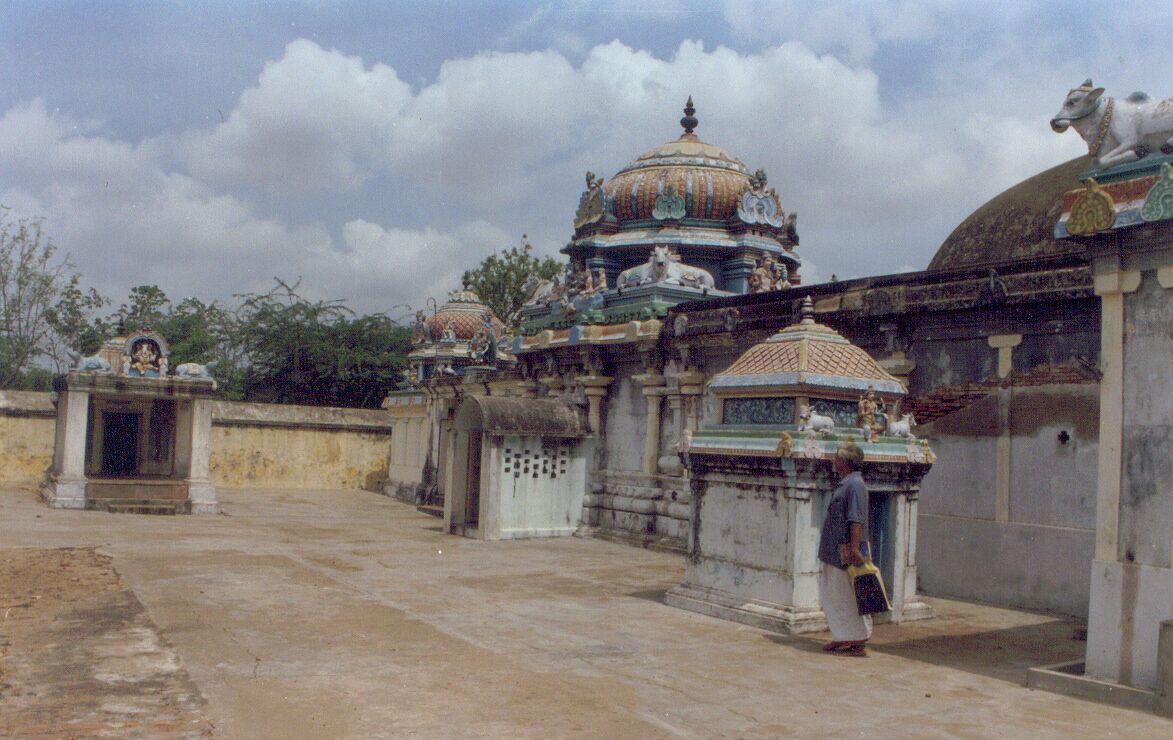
<point x="79" y="657"/>
<point x="350" y="615"/>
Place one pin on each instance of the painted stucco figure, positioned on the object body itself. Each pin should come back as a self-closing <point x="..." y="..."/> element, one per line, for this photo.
<point x="1117" y="131"/>
<point x="664" y="266"/>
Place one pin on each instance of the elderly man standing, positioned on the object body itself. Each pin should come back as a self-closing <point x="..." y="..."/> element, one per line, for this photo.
<point x="840" y="544"/>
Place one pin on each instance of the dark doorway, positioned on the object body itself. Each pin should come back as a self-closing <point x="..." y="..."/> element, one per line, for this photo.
<point x="119" y="443"/>
<point x="472" y="501"/>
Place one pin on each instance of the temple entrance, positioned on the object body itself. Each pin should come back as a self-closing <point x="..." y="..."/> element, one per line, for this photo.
<point x="472" y="499"/>
<point x="119" y="443"/>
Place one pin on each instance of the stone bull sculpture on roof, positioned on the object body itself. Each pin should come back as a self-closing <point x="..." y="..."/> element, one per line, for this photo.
<point x="1117" y="132"/>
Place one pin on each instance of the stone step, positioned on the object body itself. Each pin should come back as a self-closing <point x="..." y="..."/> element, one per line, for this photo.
<point x="159" y="507"/>
<point x="436" y="511"/>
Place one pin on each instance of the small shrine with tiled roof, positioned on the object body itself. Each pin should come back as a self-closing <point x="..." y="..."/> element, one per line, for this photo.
<point x="760" y="476"/>
<point x="806" y="364"/>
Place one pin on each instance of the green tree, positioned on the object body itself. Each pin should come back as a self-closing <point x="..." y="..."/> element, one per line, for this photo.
<point x="148" y="308"/>
<point x="500" y="279"/>
<point x="316" y="352"/>
<point x="33" y="283"/>
<point x="76" y="328"/>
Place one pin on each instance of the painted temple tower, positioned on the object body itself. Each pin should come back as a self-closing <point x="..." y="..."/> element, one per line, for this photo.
<point x="461" y="333"/>
<point x="683" y="221"/>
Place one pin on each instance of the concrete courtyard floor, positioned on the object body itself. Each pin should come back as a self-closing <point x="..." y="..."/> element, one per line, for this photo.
<point x="347" y="614"/>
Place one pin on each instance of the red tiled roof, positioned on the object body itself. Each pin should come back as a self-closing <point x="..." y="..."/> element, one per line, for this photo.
<point x="946" y="399"/>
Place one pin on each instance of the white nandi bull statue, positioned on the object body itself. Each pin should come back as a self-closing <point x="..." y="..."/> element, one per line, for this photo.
<point x="665" y="267"/>
<point x="90" y="364"/>
<point x="815" y="422"/>
<point x="903" y="427"/>
<point x="196" y="371"/>
<point x="1117" y="132"/>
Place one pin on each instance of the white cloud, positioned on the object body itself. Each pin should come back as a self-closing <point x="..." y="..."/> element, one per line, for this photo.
<point x="497" y="144"/>
<point x="316" y="119"/>
<point x="126" y="221"/>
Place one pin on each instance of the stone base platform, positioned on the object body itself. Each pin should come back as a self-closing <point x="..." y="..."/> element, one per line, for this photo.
<point x="786" y="620"/>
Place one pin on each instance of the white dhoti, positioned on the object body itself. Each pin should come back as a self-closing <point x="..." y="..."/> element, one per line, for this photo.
<point x="838" y="598"/>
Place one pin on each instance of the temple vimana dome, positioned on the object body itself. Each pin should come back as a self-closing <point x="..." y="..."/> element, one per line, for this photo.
<point x="1017" y="224"/>
<point x="682" y="221"/>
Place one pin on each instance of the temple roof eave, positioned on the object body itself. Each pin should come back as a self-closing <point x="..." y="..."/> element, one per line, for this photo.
<point x="805" y="383"/>
<point x="695" y="238"/>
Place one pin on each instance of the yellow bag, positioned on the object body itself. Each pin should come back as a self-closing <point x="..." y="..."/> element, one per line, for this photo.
<point x="870" y="596"/>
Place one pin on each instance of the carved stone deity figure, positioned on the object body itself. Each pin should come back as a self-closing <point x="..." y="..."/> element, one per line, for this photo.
<point x="422" y="332"/>
<point x="869" y="410"/>
<point x="779" y="273"/>
<point x="449" y="334"/>
<point x="761" y="279"/>
<point x="600" y="279"/>
<point x="591" y="205"/>
<point x="146" y="360"/>
<point x="483" y="347"/>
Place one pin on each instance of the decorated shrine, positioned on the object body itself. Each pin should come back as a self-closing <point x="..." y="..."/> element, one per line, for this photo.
<point x="461" y="333"/>
<point x="761" y="476"/>
<point x="683" y="221"/>
<point x="130" y="436"/>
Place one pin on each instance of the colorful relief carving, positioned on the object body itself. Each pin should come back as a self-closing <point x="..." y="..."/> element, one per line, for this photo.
<point x="1116" y="132"/>
<point x="759" y="204"/>
<point x="144" y="358"/>
<point x="669" y="206"/>
<point x="1092" y="211"/>
<point x="592" y="204"/>
<point x="1158" y="204"/>
<point x="769" y="274"/>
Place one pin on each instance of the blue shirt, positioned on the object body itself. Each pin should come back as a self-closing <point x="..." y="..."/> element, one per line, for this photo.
<point x="849" y="503"/>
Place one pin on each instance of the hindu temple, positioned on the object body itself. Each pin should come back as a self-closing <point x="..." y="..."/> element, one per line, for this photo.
<point x="130" y="436"/>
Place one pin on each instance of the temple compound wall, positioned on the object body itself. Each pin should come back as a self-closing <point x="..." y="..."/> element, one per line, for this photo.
<point x="253" y="445"/>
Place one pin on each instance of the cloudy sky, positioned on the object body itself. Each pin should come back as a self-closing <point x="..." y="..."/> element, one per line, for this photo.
<point x="378" y="149"/>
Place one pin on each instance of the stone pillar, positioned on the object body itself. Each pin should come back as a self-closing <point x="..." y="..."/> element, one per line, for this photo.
<point x="653" y="390"/>
<point x="200" y="491"/>
<point x="1164" y="694"/>
<point x="65" y="486"/>
<point x="1131" y="590"/>
<point x="692" y="385"/>
<point x="1005" y="344"/>
<point x="594" y="387"/>
<point x="736" y="271"/>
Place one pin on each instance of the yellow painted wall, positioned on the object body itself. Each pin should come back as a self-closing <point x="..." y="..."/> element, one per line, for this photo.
<point x="27" y="422"/>
<point x="256" y="445"/>
<point x="275" y="457"/>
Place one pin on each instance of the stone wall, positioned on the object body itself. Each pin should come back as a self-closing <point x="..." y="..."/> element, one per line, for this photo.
<point x="253" y="445"/>
<point x="27" y="423"/>
<point x="270" y="446"/>
<point x="1007" y="514"/>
